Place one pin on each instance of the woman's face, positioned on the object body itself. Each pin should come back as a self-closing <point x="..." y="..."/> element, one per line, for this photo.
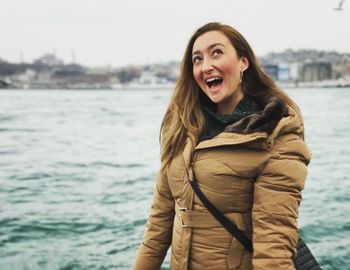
<point x="217" y="70"/>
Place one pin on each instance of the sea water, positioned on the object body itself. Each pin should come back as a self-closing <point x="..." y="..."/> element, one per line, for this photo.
<point x="77" y="171"/>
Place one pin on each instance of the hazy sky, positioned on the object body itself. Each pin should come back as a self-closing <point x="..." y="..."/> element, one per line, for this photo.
<point x="115" y="32"/>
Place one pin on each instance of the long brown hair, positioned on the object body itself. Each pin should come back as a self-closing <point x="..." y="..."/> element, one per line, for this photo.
<point x="184" y="117"/>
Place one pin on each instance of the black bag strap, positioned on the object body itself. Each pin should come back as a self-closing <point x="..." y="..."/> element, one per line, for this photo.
<point x="225" y="222"/>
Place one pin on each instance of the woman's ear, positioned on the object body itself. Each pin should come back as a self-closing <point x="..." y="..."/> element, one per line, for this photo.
<point x="244" y="63"/>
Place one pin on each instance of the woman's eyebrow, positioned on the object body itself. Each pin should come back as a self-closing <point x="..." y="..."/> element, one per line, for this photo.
<point x="211" y="46"/>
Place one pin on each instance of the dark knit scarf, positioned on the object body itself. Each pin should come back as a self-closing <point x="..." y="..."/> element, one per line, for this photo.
<point x="216" y="123"/>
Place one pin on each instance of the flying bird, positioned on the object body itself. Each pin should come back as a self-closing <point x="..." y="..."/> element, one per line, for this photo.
<point x="340" y="6"/>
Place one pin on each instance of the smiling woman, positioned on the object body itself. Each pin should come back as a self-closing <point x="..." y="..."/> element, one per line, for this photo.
<point x="218" y="70"/>
<point x="232" y="133"/>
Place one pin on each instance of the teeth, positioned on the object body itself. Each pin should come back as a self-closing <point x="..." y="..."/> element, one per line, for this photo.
<point x="212" y="79"/>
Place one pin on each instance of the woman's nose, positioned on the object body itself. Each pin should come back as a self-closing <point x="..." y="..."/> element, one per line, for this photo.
<point x="207" y="66"/>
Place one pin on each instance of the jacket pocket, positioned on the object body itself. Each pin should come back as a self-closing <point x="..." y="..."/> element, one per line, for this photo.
<point x="235" y="254"/>
<point x="236" y="249"/>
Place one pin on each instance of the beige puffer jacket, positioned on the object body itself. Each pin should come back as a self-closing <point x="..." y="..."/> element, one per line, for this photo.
<point x="254" y="173"/>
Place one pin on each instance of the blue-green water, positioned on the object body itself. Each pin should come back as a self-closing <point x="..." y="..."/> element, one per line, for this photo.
<point x="77" y="169"/>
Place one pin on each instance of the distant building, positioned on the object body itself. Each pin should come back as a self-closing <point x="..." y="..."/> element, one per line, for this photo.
<point x="295" y="70"/>
<point x="283" y="73"/>
<point x="316" y="72"/>
<point x="70" y="70"/>
<point x="26" y="76"/>
<point x="272" y="71"/>
<point x="278" y="72"/>
<point x="49" y="60"/>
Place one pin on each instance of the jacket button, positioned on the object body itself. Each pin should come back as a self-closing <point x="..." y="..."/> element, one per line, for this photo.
<point x="266" y="145"/>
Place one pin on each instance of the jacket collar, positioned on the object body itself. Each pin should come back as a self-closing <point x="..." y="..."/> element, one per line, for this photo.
<point x="261" y="121"/>
<point x="263" y="126"/>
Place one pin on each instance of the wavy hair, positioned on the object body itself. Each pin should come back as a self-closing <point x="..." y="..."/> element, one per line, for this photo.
<point x="184" y="117"/>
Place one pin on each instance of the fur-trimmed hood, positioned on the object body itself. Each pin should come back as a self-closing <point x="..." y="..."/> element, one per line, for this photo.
<point x="265" y="120"/>
<point x="260" y="128"/>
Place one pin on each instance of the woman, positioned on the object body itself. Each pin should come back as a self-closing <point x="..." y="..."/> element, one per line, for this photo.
<point x="229" y="127"/>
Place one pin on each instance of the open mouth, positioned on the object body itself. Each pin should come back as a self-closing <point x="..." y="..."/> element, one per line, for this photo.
<point x="215" y="81"/>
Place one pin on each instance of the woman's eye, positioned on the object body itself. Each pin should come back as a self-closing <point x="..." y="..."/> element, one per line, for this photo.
<point x="217" y="52"/>
<point x="196" y="59"/>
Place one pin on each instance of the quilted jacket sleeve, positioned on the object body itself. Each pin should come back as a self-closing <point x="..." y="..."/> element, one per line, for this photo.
<point x="157" y="237"/>
<point x="277" y="196"/>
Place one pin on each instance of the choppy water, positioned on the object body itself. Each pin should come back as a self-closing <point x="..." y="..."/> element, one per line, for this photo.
<point x="77" y="169"/>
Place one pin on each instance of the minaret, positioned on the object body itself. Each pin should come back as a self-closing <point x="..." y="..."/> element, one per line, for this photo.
<point x="73" y="56"/>
<point x="21" y="56"/>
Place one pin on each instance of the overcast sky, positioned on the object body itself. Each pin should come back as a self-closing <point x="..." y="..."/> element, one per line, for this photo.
<point x="118" y="33"/>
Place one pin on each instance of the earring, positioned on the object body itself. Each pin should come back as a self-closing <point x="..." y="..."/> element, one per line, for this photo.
<point x="241" y="75"/>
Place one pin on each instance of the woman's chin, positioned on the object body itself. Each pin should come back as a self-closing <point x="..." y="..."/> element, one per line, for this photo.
<point x="215" y="98"/>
